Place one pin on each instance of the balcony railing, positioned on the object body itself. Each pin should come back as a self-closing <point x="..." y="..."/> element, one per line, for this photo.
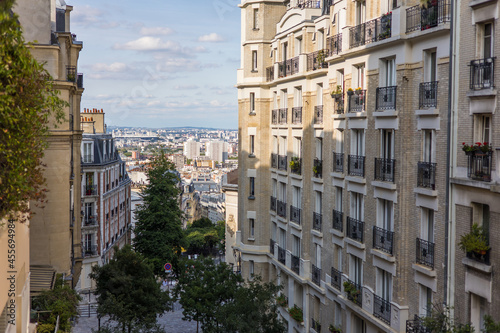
<point x="339" y="103"/>
<point x="416" y="326"/>
<point x="270" y="73"/>
<point x="426" y="176"/>
<point x="318" y="168"/>
<point x="386" y="98"/>
<point x="281" y="208"/>
<point x="371" y="31"/>
<point x="71" y="73"/>
<point x="318" y="114"/>
<point x="384" y="169"/>
<point x="282" y="162"/>
<point x="274" y="116"/>
<point x="274" y="161"/>
<point x="315" y="325"/>
<point x="355" y="229"/>
<point x="271" y="246"/>
<point x="89" y="250"/>
<point x="297" y="115"/>
<point x="273" y="203"/>
<point x="382" y="309"/>
<point x="296" y="165"/>
<point x="334" y="44"/>
<point x="90" y="220"/>
<point x="317" y="221"/>
<point x="423" y="18"/>
<point x="316" y="275"/>
<point x="338" y="220"/>
<point x="336" y="279"/>
<point x="356" y="294"/>
<point x="309" y="3"/>
<point x="283" y="116"/>
<point x="425" y="253"/>
<point x="482" y="73"/>
<point x="295" y="214"/>
<point x="482" y="258"/>
<point x="295" y="262"/>
<point x="90" y="190"/>
<point x="479" y="165"/>
<point x="356" y="165"/>
<point x="288" y="67"/>
<point x="383" y="240"/>
<point x="427" y="95"/>
<point x="338" y="162"/>
<point x="356" y="100"/>
<point x="79" y="80"/>
<point x="316" y="60"/>
<point x="281" y="255"/>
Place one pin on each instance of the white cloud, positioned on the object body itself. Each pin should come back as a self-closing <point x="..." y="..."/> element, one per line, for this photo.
<point x="115" y="67"/>
<point x="156" y="31"/>
<point x="185" y="87"/>
<point x="149" y="44"/>
<point x="211" y="38"/>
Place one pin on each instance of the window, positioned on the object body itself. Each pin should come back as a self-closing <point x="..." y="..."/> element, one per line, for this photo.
<point x="275" y="144"/>
<point x="339" y="141"/>
<point x="88" y="241"/>
<point x="282" y="240"/>
<point x="251" y="228"/>
<point x="485" y="39"/>
<point x="357" y="206"/>
<point x="388" y="73"/>
<point x="360" y="12"/>
<point x="252" y="188"/>
<point x="385" y="214"/>
<point x="88" y="152"/>
<point x="275" y="188"/>
<point x="359" y="76"/>
<point x="425" y="301"/>
<point x="356" y="270"/>
<point x="319" y="94"/>
<point x="297" y="147"/>
<point x="477" y="311"/>
<point x="387" y="143"/>
<point x="428" y="145"/>
<point x="338" y="314"/>
<point x="482" y="128"/>
<point x="321" y="37"/>
<point x="297" y="98"/>
<point x="384" y="284"/>
<point x="319" y="148"/>
<point x="296" y="197"/>
<point x="298" y="46"/>
<point x="252" y="145"/>
<point x="481" y="216"/>
<point x="296" y="246"/>
<point x="318" y="206"/>
<point x="89" y="209"/>
<point x="254" y="61"/>
<point x="252" y="102"/>
<point x="317" y="258"/>
<point x="282" y="193"/>
<point x="338" y="198"/>
<point x="282" y="146"/>
<point x="427" y="225"/>
<point x="256" y="18"/>
<point x="251" y="269"/>
<point x="430" y="66"/>
<point x="340" y="78"/>
<point x="284" y="99"/>
<point x="284" y="49"/>
<point x="358" y="142"/>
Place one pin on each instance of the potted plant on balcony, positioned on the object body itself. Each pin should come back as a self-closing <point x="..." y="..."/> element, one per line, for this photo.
<point x="320" y="57"/>
<point x="475" y="242"/>
<point x="351" y="291"/>
<point x="337" y="93"/>
<point x="295" y="164"/>
<point x="317" y="169"/>
<point x="282" y="300"/>
<point x="350" y="92"/>
<point x="296" y="313"/>
<point x="358" y="91"/>
<point x="334" y="329"/>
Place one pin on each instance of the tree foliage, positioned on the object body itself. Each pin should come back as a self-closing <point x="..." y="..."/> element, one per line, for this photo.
<point x="203" y="237"/>
<point x="158" y="232"/>
<point x="28" y="102"/>
<point x="128" y="292"/>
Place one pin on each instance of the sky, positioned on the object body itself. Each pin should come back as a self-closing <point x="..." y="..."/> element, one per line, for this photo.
<point x="160" y="63"/>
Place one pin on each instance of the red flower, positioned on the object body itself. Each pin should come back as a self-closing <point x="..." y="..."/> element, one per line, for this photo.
<point x="485" y="143"/>
<point x="478" y="144"/>
<point x="463" y="143"/>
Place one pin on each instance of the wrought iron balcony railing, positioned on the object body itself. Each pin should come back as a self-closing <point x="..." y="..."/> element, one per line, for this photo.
<point x="334" y="44"/>
<point x="316" y="275"/>
<point x="422" y="18"/>
<point x="297" y="115"/>
<point x="318" y="114"/>
<point x="356" y="100"/>
<point x="416" y="326"/>
<point x="482" y="73"/>
<point x="90" y="190"/>
<point x="90" y="220"/>
<point x="295" y="214"/>
<point x="338" y="220"/>
<point x="71" y="73"/>
<point x="356" y="165"/>
<point x="425" y="253"/>
<point x="339" y="103"/>
<point x="270" y="73"/>
<point x="427" y="94"/>
<point x="354" y="292"/>
<point x="371" y="31"/>
<point x="288" y="67"/>
<point x="274" y="116"/>
<point x="316" y="60"/>
<point x="273" y="204"/>
<point x="282" y="162"/>
<point x="336" y="281"/>
<point x="315" y="325"/>
<point x="271" y="246"/>
<point x="274" y="161"/>
<point x="384" y="169"/>
<point x="295" y="264"/>
<point x="479" y="165"/>
<point x="309" y="3"/>
<point x="281" y="208"/>
<point x="382" y="309"/>
<point x="318" y="168"/>
<point x="89" y="250"/>
<point x="296" y="165"/>
<point x="281" y="255"/>
<point x="338" y="162"/>
<point x="386" y="98"/>
<point x="283" y="116"/>
<point x="317" y="221"/>
<point x="383" y="240"/>
<point x="355" y="229"/>
<point x="426" y="176"/>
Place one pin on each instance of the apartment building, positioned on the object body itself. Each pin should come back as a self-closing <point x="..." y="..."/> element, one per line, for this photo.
<point x="343" y="109"/>
<point x="106" y="196"/>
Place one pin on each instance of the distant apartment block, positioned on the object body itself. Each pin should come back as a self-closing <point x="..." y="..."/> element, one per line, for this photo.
<point x="217" y="150"/>
<point x="191" y="149"/>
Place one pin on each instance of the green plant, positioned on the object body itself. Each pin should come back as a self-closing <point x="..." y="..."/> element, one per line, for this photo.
<point x="337" y="92"/>
<point x="71" y="77"/>
<point x="475" y="241"/>
<point x="317" y="169"/>
<point x="351" y="290"/>
<point x="295" y="164"/>
<point x="296" y="313"/>
<point x="282" y="300"/>
<point x="320" y="57"/>
<point x="484" y="147"/>
<point x="334" y="329"/>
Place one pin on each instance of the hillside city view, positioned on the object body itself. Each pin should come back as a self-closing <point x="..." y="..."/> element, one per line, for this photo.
<point x="249" y="166"/>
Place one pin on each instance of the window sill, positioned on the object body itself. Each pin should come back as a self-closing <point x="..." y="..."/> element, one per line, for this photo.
<point x="251" y="155"/>
<point x="252" y="113"/>
<point x="254" y="71"/>
<point x="477" y="265"/>
<point x="251" y="239"/>
<point x="251" y="197"/>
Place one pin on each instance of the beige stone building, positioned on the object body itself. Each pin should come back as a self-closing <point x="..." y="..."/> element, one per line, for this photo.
<point x="343" y="109"/>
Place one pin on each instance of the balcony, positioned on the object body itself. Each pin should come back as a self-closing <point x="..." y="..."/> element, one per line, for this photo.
<point x="427" y="95"/>
<point x="317" y="221"/>
<point x="274" y="116"/>
<point x="274" y="161"/>
<point x="383" y="240"/>
<point x="384" y="169"/>
<point x="339" y="103"/>
<point x="355" y="229"/>
<point x="270" y="74"/>
<point x="356" y="165"/>
<point x="79" y="80"/>
<point x="71" y="73"/>
<point x="281" y="255"/>
<point x="338" y="162"/>
<point x="353" y="292"/>
<point x="419" y="18"/>
<point x="318" y="168"/>
<point x="336" y="279"/>
<point x="282" y="162"/>
<point x="90" y="220"/>
<point x="283" y="116"/>
<point x="386" y="98"/>
<point x="308" y="4"/>
<point x="288" y="67"/>
<point x="334" y="44"/>
<point x="297" y="115"/>
<point x="318" y="115"/>
<point x="90" y="190"/>
<point x="295" y="264"/>
<point x="425" y="253"/>
<point x="273" y="204"/>
<point x="356" y="100"/>
<point x="479" y="165"/>
<point x="416" y="326"/>
<point x="482" y="73"/>
<point x="281" y="208"/>
<point x="315" y="325"/>
<point x="426" y="176"/>
<point x="382" y="309"/>
<point x="316" y="60"/>
<point x="89" y="250"/>
<point x="338" y="220"/>
<point x="296" y="165"/>
<point x="295" y="214"/>
<point x="371" y="31"/>
<point x="316" y="275"/>
<point x="271" y="246"/>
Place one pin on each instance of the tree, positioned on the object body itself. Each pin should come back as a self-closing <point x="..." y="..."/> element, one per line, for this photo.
<point x="28" y="103"/>
<point x="128" y="292"/>
<point x="158" y="232"/>
<point x="203" y="237"/>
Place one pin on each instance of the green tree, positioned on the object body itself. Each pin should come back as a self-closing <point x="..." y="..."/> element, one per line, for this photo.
<point x="28" y="103"/>
<point x="158" y="232"/>
<point x="202" y="237"/>
<point x="128" y="292"/>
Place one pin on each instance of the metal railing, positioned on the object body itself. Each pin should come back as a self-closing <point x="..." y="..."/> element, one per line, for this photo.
<point x="274" y="161"/>
<point x="371" y="31"/>
<point x="316" y="60"/>
<point x="309" y="3"/>
<point x="425" y="253"/>
<point x="316" y="275"/>
<point x="355" y="229"/>
<point x="270" y="73"/>
<point x="71" y="73"/>
<point x="318" y="168"/>
<point x="281" y="208"/>
<point x="271" y="246"/>
<point x="295" y="264"/>
<point x="317" y="221"/>
<point x="90" y="220"/>
<point x="296" y="165"/>
<point x="318" y="114"/>
<point x="273" y="203"/>
<point x="297" y="115"/>
<point x="294" y="65"/>
<point x="426" y="175"/>
<point x="281" y="255"/>
<point x="90" y="190"/>
<point x="274" y="116"/>
<point x="338" y="220"/>
<point x="383" y="240"/>
<point x="386" y="98"/>
<point x="427" y="94"/>
<point x="338" y="162"/>
<point x="282" y="162"/>
<point x="89" y="250"/>
<point x="482" y="73"/>
<point x="336" y="279"/>
<point x="423" y="18"/>
<point x="356" y="101"/>
<point x="295" y="214"/>
<point x="356" y="295"/>
<point x="339" y="104"/>
<point x="356" y="165"/>
<point x="334" y="44"/>
<point x="385" y="169"/>
<point x="315" y="325"/>
<point x="283" y="116"/>
<point x="288" y="67"/>
<point x="416" y="326"/>
<point x="382" y="309"/>
<point x="479" y="165"/>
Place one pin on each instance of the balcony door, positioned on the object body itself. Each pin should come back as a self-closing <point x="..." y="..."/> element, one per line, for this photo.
<point x="358" y="142"/>
<point x="387" y="144"/>
<point x="360" y="12"/>
<point x="427" y="225"/>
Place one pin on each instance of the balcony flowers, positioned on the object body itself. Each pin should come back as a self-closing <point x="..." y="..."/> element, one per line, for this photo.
<point x="321" y="56"/>
<point x="475" y="242"/>
<point x="478" y="147"/>
<point x="296" y="313"/>
<point x="334" y="329"/>
<point x="337" y="93"/>
<point x="282" y="300"/>
<point x="350" y="92"/>
<point x="351" y="291"/>
<point x="295" y="164"/>
<point x="358" y="90"/>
